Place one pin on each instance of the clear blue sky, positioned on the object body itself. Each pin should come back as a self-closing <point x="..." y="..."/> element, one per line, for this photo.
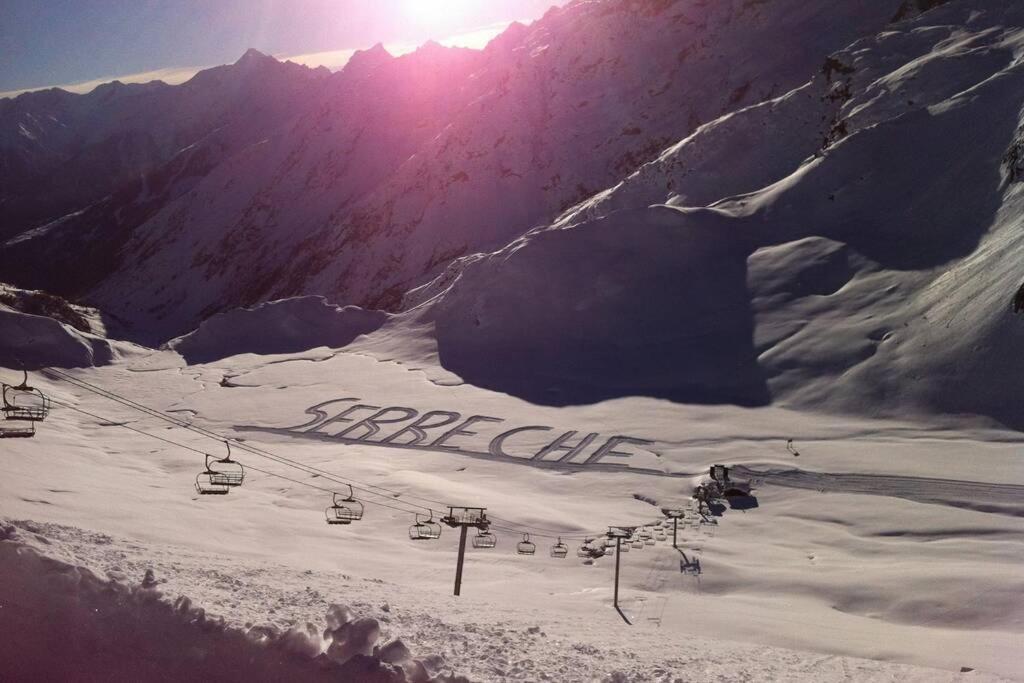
<point x="51" y="42"/>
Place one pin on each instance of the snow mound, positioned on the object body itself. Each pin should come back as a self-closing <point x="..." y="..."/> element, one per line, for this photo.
<point x="35" y="341"/>
<point x="109" y="630"/>
<point x="284" y="326"/>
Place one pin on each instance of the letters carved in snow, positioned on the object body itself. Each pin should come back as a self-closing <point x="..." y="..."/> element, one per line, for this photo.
<point x="350" y="421"/>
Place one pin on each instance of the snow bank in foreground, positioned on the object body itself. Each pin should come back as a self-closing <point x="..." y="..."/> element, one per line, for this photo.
<point x="35" y="341"/>
<point x="62" y="622"/>
<point x="284" y="326"/>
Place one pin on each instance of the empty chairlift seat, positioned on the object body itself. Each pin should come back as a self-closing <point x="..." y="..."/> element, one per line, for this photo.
<point x="22" y="402"/>
<point x="525" y="546"/>
<point x="559" y="550"/>
<point x="425" y="529"/>
<point x="344" y="509"/>
<point x="485" y="539"/>
<point x="210" y="482"/>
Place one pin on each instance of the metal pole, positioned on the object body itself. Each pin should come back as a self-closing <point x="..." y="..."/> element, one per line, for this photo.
<point x="462" y="556"/>
<point x="618" y="556"/>
<point x="675" y="527"/>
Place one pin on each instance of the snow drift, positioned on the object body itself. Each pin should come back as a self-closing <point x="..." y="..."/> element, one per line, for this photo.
<point x="105" y="630"/>
<point x="284" y="326"/>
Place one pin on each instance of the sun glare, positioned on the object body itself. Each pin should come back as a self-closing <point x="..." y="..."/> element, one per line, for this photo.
<point x="435" y="12"/>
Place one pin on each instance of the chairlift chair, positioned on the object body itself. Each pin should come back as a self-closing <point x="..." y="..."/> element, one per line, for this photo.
<point x="559" y="550"/>
<point x="645" y="534"/>
<point x="225" y="471"/>
<point x="344" y="510"/>
<point x="352" y="507"/>
<point x="22" y="402"/>
<point x="584" y="550"/>
<point x="484" y="539"/>
<point x="14" y="429"/>
<point x="660" y="536"/>
<point x="624" y="548"/>
<point x="426" y="530"/>
<point x="525" y="546"/>
<point x="209" y="483"/>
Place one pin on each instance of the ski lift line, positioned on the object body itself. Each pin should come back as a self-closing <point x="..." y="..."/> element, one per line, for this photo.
<point x="210" y="434"/>
<point x="176" y="444"/>
<point x="308" y="469"/>
<point x="362" y="486"/>
<point x="519" y="530"/>
<point x="114" y="423"/>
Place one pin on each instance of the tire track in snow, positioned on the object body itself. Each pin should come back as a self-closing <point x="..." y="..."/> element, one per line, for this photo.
<point x="1004" y="499"/>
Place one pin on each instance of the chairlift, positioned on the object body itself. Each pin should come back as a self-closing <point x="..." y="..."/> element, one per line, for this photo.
<point x="14" y="430"/>
<point x="225" y="472"/>
<point x="648" y="541"/>
<point x="525" y="546"/>
<point x="660" y="537"/>
<point x="559" y="550"/>
<point x="484" y="539"/>
<point x="638" y="544"/>
<point x="624" y="548"/>
<point x="354" y="507"/>
<point x="426" y="530"/>
<point x="210" y="483"/>
<point x="645" y="534"/>
<point x="22" y="402"/>
<point x="584" y="549"/>
<point x="344" y="510"/>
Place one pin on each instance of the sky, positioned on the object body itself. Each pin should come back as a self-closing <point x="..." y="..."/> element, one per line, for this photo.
<point x="78" y="44"/>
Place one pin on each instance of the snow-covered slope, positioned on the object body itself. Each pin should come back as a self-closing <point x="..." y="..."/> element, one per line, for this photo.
<point x="870" y="268"/>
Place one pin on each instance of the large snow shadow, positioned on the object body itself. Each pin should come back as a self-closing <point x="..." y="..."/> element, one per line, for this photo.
<point x="649" y="302"/>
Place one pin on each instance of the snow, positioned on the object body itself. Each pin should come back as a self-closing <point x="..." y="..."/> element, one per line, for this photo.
<point x="893" y="572"/>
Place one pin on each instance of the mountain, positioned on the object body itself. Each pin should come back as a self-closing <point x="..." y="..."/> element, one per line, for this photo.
<point x="743" y="201"/>
<point x="376" y="177"/>
<point x="853" y="244"/>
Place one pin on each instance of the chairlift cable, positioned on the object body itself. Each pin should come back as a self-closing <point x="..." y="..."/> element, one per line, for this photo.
<point x="309" y="469"/>
<point x="362" y="486"/>
<point x="115" y="423"/>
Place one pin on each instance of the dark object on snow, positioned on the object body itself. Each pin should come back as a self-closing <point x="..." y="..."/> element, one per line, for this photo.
<point x="792" y="449"/>
<point x="1018" y="300"/>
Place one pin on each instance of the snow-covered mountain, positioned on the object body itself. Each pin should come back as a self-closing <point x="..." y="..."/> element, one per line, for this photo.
<point x="749" y="202"/>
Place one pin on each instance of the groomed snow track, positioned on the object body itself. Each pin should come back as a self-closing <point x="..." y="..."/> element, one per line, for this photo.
<point x="1004" y="499"/>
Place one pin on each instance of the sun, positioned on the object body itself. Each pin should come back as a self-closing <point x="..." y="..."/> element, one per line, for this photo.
<point x="435" y="12"/>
